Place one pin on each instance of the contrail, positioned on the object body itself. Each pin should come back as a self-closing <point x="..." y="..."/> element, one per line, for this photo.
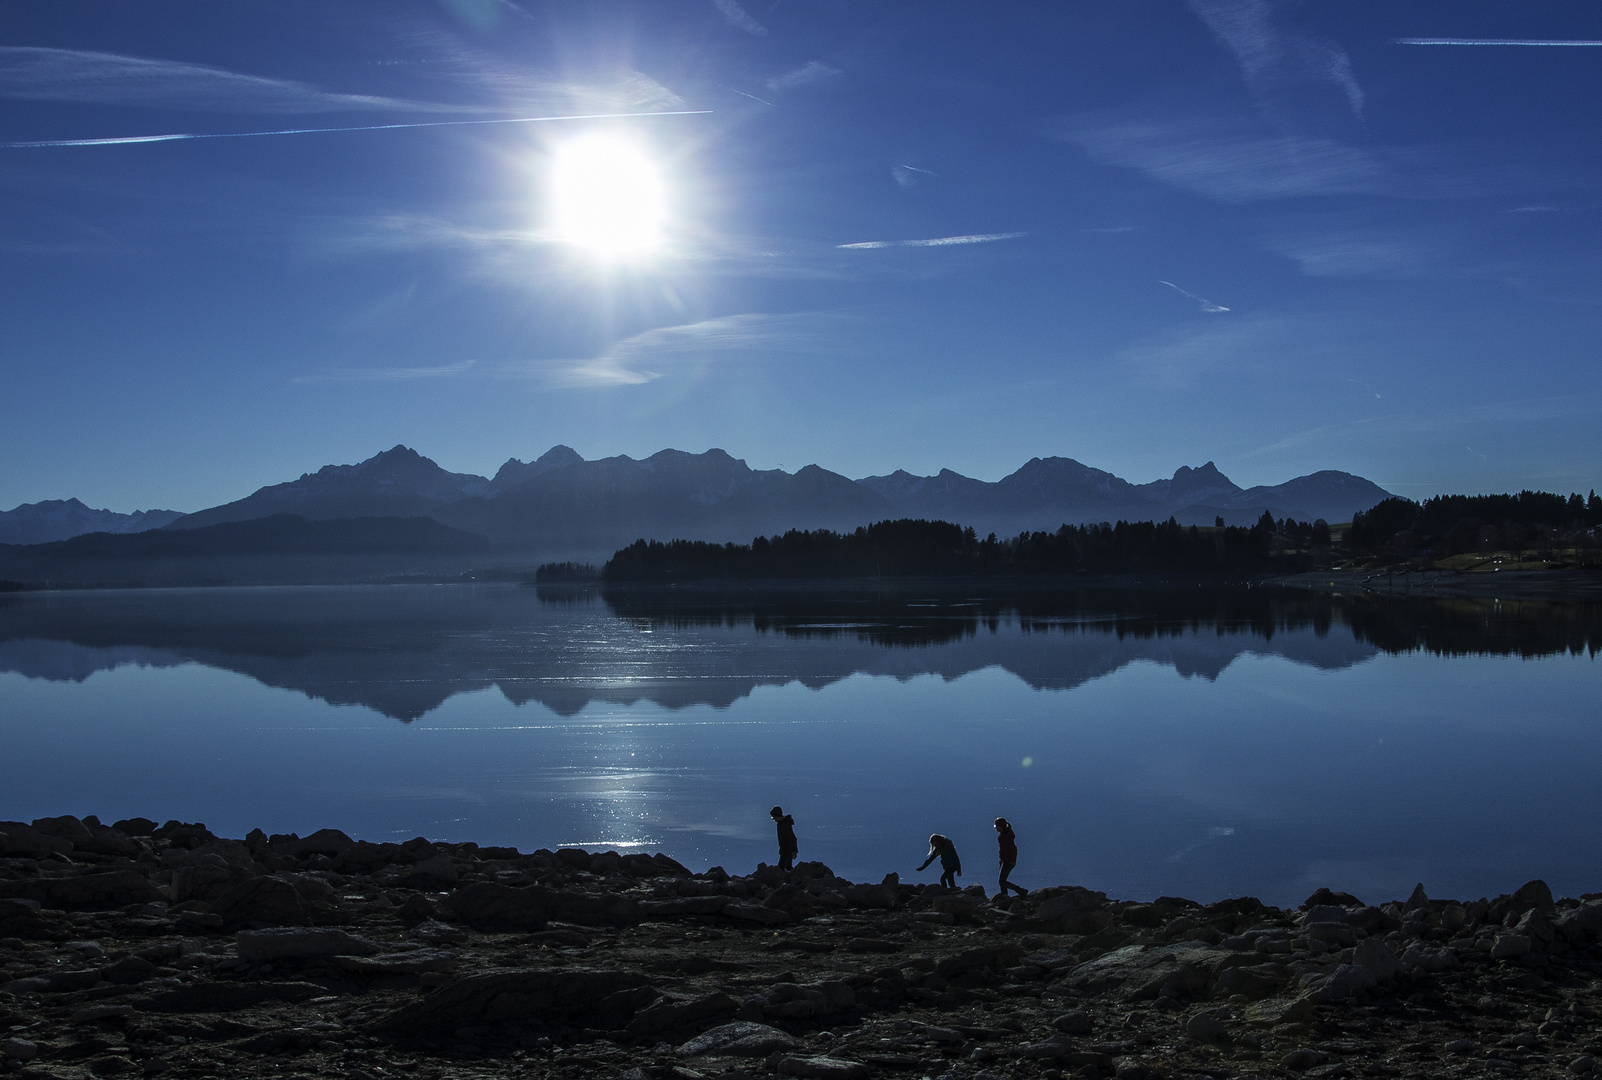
<point x="1560" y="42"/>
<point x="122" y="140"/>
<point x="742" y="93"/>
<point x="939" y="241"/>
<point x="1206" y="305"/>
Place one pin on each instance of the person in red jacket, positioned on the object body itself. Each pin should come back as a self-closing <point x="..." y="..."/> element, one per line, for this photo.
<point x="1009" y="857"/>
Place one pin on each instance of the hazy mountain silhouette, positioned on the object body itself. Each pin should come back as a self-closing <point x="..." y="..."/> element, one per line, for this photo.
<point x="1048" y="492"/>
<point x="514" y="472"/>
<point x="61" y="519"/>
<point x="710" y="496"/>
<point x="560" y="505"/>
<point x="396" y="483"/>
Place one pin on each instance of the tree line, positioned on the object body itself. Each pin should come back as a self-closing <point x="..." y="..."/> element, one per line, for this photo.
<point x="911" y="547"/>
<point x="1461" y="524"/>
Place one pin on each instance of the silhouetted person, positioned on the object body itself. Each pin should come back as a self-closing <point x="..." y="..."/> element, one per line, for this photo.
<point x="788" y="847"/>
<point x="1009" y="856"/>
<point x="941" y="847"/>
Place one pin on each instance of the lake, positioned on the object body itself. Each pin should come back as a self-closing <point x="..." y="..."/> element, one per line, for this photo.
<point x="1193" y="742"/>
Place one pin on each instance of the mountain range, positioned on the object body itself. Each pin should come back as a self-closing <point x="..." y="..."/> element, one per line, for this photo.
<point x="561" y="504"/>
<point x="61" y="519"/>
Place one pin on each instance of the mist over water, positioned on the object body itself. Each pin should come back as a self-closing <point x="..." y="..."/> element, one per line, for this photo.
<point x="1194" y="742"/>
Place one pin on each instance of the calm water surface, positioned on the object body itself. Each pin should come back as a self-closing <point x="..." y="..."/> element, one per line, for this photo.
<point x="1195" y="743"/>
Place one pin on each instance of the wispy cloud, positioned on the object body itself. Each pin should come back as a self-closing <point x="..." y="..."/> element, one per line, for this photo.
<point x="403" y="374"/>
<point x="1273" y="56"/>
<point x="1186" y="355"/>
<point x="814" y="72"/>
<point x="33" y="73"/>
<point x="670" y="350"/>
<point x="939" y="241"/>
<point x="1496" y="414"/>
<point x="740" y="18"/>
<point x="1206" y="305"/>
<point x="1228" y="161"/>
<point x="1385" y="258"/>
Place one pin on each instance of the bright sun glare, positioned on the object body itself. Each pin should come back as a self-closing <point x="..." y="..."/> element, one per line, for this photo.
<point x="607" y="197"/>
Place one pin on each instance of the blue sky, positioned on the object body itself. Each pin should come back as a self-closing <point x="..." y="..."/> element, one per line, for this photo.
<point x="1263" y="234"/>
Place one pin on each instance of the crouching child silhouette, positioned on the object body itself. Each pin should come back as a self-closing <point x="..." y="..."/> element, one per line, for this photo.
<point x="941" y="847"/>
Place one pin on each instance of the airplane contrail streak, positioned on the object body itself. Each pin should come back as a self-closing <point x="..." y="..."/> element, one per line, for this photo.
<point x="1550" y="42"/>
<point x="125" y="139"/>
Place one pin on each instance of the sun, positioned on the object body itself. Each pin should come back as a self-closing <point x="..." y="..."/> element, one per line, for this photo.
<point x="607" y="198"/>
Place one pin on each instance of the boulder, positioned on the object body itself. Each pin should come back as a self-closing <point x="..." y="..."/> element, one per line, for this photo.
<point x="64" y="826"/>
<point x="544" y="996"/>
<point x="1377" y="957"/>
<point x="1325" y="896"/>
<point x="1417" y="900"/>
<point x="1145" y="972"/>
<point x="129" y="970"/>
<point x="17" y="838"/>
<point x="822" y="1068"/>
<point x="1581" y="925"/>
<point x="991" y="957"/>
<point x="740" y="1038"/>
<point x="1535" y="925"/>
<point x="86" y="892"/>
<point x="330" y="842"/>
<point x="1205" y="1027"/>
<point x="669" y="1014"/>
<point x="757" y="913"/>
<point x="404" y="963"/>
<point x="206" y="883"/>
<point x="209" y="997"/>
<point x="1343" y="982"/>
<point x="880" y="896"/>
<point x="1510" y="946"/>
<point x="1535" y="894"/>
<point x="262" y="901"/>
<point x="486" y="905"/>
<point x="300" y="943"/>
<point x="433" y="873"/>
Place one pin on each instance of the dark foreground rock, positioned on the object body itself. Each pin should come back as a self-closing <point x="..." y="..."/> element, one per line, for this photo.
<point x="132" y="950"/>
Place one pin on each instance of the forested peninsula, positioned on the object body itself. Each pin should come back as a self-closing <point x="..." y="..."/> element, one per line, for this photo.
<point x="1530" y="530"/>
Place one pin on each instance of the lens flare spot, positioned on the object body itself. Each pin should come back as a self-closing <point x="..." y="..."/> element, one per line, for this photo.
<point x="607" y="198"/>
<point x="1028" y="761"/>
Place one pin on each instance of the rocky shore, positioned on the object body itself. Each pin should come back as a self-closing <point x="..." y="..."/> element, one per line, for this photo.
<point x="137" y="950"/>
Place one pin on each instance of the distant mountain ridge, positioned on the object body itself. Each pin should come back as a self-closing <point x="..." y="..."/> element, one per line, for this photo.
<point x="561" y="503"/>
<point x="1047" y="492"/>
<point x="62" y="519"/>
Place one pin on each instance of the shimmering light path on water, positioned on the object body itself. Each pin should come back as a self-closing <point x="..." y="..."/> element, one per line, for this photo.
<point x="1278" y="764"/>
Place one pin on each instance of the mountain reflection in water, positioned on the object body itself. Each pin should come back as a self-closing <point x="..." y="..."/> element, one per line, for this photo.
<point x="405" y="650"/>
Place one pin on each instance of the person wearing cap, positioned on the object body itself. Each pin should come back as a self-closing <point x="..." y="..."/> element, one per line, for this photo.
<point x="942" y="848"/>
<point x="1009" y="857"/>
<point x="788" y="847"/>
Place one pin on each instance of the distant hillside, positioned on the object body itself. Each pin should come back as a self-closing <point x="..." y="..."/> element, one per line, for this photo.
<point x="60" y="519"/>
<point x="280" y="548"/>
